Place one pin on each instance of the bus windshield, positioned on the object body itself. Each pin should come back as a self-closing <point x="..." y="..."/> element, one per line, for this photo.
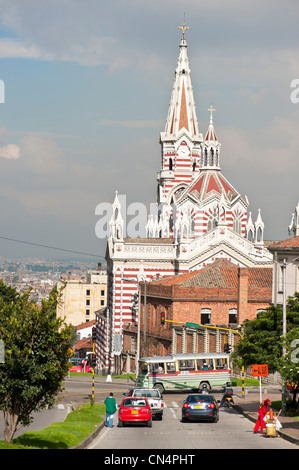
<point x="143" y="368"/>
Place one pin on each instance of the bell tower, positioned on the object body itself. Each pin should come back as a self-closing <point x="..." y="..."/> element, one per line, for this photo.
<point x="181" y="142"/>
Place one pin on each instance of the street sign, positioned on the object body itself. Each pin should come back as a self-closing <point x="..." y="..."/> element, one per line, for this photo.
<point x="260" y="370"/>
<point x="70" y="352"/>
<point x="194" y="325"/>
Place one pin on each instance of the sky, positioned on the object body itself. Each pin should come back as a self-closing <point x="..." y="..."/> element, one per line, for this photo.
<point x="86" y="92"/>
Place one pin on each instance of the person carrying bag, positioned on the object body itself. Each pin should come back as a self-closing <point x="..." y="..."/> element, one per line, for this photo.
<point x="110" y="410"/>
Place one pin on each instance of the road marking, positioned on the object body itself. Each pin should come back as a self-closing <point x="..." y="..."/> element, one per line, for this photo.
<point x="172" y="404"/>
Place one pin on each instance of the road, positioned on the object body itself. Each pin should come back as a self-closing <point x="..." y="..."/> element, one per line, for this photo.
<point x="233" y="431"/>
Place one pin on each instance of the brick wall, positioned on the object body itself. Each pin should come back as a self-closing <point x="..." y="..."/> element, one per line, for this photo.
<point x="184" y="304"/>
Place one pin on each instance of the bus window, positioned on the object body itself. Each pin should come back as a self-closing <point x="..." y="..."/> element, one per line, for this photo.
<point x="221" y="363"/>
<point x="204" y="364"/>
<point x="170" y="367"/>
<point x="157" y="368"/>
<point x="186" y="365"/>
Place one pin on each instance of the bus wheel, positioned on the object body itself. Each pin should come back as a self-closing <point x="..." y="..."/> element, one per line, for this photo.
<point x="160" y="388"/>
<point x="205" y="385"/>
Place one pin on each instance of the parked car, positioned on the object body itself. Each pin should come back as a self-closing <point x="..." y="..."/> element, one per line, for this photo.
<point x="153" y="397"/>
<point x="200" y="407"/>
<point x="134" y="410"/>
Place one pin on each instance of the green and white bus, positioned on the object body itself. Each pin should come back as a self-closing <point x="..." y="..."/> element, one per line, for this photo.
<point x="184" y="371"/>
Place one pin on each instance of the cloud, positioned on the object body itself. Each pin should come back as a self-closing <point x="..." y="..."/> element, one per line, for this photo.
<point x="134" y="124"/>
<point x="11" y="48"/>
<point x="10" y="152"/>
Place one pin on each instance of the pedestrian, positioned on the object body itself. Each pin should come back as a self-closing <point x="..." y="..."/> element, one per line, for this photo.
<point x="110" y="410"/>
<point x="261" y="414"/>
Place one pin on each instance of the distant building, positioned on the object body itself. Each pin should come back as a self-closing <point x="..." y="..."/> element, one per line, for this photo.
<point x="83" y="347"/>
<point x="80" y="299"/>
<point x="286" y="261"/>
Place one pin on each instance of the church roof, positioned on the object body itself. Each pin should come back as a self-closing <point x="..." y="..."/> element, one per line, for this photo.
<point x="289" y="243"/>
<point x="209" y="182"/>
<point x="221" y="273"/>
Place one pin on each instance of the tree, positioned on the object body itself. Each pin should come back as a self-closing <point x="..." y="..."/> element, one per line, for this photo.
<point x="263" y="342"/>
<point x="36" y="356"/>
<point x="289" y="367"/>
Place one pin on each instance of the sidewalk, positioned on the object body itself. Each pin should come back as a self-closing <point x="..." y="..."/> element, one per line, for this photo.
<point x="250" y="404"/>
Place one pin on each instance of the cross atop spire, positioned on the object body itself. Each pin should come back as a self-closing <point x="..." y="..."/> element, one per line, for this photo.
<point x="211" y="109"/>
<point x="183" y="28"/>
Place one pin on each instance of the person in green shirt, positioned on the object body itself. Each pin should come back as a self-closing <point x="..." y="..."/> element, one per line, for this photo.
<point x="110" y="410"/>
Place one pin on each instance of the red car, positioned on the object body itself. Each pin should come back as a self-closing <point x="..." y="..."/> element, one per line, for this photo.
<point x="134" y="410"/>
<point x="77" y="366"/>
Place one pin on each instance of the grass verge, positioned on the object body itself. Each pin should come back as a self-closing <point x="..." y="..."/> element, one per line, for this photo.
<point x="294" y="413"/>
<point x="122" y="376"/>
<point x="78" y="425"/>
<point x="247" y="382"/>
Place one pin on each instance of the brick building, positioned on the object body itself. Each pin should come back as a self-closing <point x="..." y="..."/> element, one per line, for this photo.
<point x="220" y="294"/>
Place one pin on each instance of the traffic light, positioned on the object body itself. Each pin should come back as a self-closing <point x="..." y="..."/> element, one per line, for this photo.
<point x="227" y="348"/>
<point x="162" y="318"/>
<point x="93" y="361"/>
<point x="94" y="333"/>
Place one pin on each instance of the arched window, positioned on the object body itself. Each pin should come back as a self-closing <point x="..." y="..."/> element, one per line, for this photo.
<point x="212" y="221"/>
<point x="205" y="316"/>
<point x="118" y="232"/>
<point x="170" y="164"/>
<point x="185" y="231"/>
<point x="192" y="224"/>
<point x="250" y="235"/>
<point x="232" y="315"/>
<point x="212" y="163"/>
<point x="259" y="235"/>
<point x="237" y="225"/>
<point x="171" y="222"/>
<point x="206" y="158"/>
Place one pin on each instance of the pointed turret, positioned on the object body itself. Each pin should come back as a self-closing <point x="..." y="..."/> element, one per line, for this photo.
<point x="211" y="134"/>
<point x="259" y="229"/>
<point x="182" y="113"/>
<point x="116" y="222"/>
<point x="211" y="150"/>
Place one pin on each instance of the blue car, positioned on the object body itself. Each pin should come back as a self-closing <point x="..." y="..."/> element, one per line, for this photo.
<point x="200" y="407"/>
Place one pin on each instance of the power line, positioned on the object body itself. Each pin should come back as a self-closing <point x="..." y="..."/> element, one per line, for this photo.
<point x="51" y="247"/>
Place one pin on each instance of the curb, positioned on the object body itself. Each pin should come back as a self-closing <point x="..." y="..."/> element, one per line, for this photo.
<point x="91" y="437"/>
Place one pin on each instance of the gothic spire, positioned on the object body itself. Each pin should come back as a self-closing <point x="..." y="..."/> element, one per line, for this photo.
<point x="181" y="113"/>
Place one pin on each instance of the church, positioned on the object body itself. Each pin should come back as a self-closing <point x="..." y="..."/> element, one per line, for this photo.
<point x="200" y="218"/>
